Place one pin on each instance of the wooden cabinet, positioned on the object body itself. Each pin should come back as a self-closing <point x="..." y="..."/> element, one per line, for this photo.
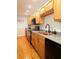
<point x="49" y="6"/>
<point x="34" y="40"/>
<point x="39" y="19"/>
<point x="57" y="10"/>
<point x="38" y="43"/>
<point x="42" y="11"/>
<point x="28" y="35"/>
<point x="41" y="46"/>
<point x="30" y="20"/>
<point x="47" y="9"/>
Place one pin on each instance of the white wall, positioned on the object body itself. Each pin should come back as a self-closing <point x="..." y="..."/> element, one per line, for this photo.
<point x="21" y="25"/>
<point x="23" y="22"/>
<point x="53" y="24"/>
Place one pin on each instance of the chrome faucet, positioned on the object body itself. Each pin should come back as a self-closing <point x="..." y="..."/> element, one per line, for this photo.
<point x="48" y="27"/>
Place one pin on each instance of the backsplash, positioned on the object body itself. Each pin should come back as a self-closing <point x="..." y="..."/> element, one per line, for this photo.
<point x="53" y="24"/>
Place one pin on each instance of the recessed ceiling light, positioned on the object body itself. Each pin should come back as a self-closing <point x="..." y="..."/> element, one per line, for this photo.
<point x="29" y="6"/>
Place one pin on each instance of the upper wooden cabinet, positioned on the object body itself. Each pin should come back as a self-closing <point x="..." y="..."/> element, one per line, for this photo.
<point x="57" y="10"/>
<point x="49" y="6"/>
<point x="42" y="11"/>
<point x="38" y="43"/>
<point x="30" y="20"/>
<point x="39" y="19"/>
<point x="47" y="9"/>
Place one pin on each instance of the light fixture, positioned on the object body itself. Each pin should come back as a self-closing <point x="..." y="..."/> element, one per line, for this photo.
<point x="29" y="6"/>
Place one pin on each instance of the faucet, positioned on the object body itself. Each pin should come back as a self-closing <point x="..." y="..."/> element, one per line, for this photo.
<point x="48" y="27"/>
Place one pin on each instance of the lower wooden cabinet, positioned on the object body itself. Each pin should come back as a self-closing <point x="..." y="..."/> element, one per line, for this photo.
<point x="38" y="43"/>
<point x="46" y="48"/>
<point x="41" y="47"/>
<point x="39" y="19"/>
<point x="28" y="35"/>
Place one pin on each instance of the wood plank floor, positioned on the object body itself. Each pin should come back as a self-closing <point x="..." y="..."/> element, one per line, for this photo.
<point x="25" y="50"/>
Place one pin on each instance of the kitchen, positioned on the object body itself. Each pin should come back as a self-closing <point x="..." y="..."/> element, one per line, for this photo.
<point x="39" y="25"/>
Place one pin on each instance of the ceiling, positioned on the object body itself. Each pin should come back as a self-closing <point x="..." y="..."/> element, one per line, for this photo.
<point x="28" y="7"/>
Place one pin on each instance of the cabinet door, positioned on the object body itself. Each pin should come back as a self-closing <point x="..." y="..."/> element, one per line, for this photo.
<point x="49" y="6"/>
<point x="42" y="11"/>
<point x="41" y="46"/>
<point x="39" y="19"/>
<point x="57" y="10"/>
<point x="28" y="36"/>
<point x="33" y="40"/>
<point x="30" y="19"/>
<point x="38" y="43"/>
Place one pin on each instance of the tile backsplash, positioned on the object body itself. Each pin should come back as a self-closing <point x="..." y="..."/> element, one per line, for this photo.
<point x="53" y="24"/>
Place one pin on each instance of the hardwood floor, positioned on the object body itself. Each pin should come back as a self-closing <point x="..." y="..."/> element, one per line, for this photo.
<point x="25" y="50"/>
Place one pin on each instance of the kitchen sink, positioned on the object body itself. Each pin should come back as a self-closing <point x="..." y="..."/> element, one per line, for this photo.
<point x="45" y="33"/>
